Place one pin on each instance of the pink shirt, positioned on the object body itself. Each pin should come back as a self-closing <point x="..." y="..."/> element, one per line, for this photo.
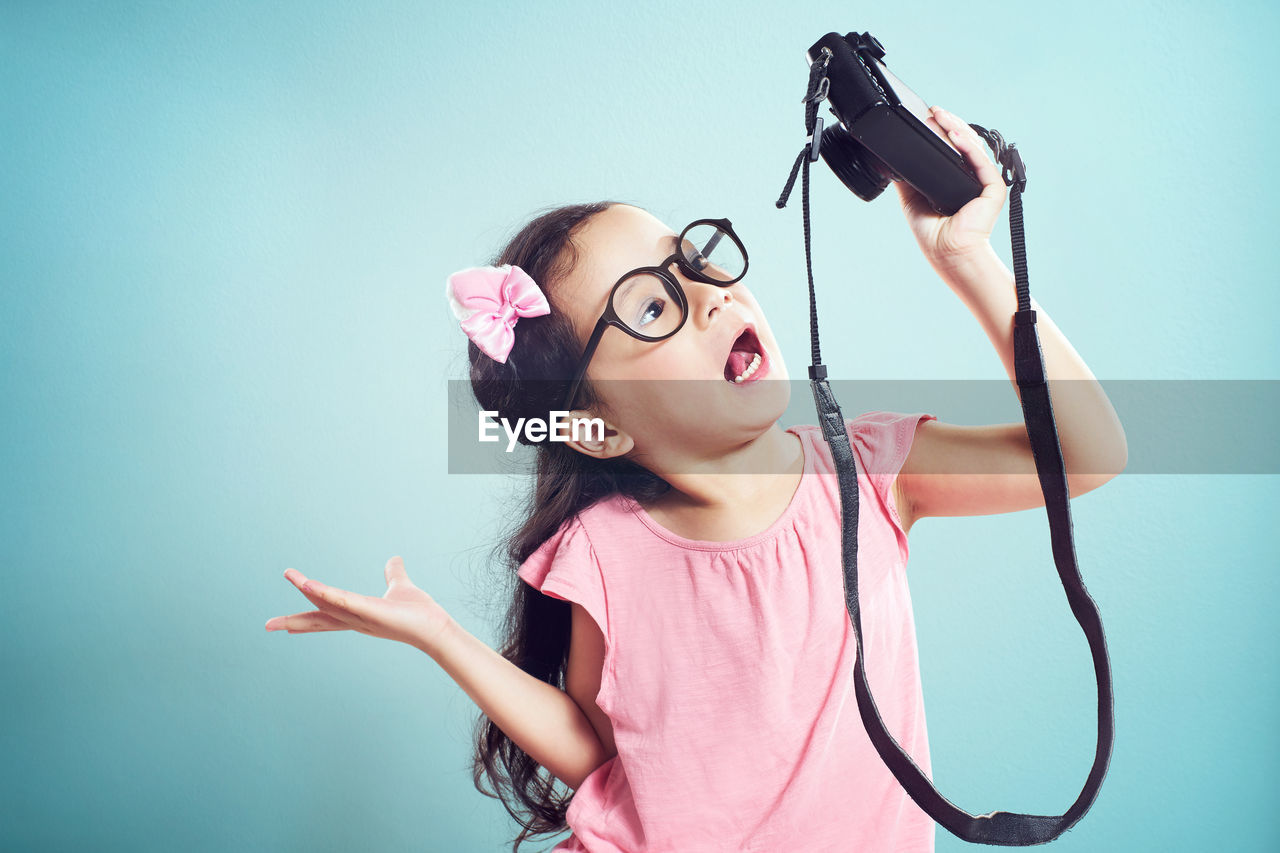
<point x="728" y="672"/>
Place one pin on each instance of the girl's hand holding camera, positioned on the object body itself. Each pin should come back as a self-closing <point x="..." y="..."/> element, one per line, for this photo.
<point x="404" y="613"/>
<point x="950" y="243"/>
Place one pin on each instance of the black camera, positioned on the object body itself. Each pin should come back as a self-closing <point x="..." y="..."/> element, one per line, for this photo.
<point x="882" y="133"/>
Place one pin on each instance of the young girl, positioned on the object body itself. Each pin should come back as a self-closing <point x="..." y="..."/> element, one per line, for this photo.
<point x="679" y="654"/>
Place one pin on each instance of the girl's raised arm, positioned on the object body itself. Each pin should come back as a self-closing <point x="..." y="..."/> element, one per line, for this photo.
<point x="540" y="718"/>
<point x="979" y="461"/>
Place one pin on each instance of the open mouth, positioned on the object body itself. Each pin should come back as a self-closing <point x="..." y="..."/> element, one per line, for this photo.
<point x="746" y="358"/>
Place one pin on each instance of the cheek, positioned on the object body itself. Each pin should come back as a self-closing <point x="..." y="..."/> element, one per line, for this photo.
<point x="771" y="341"/>
<point x="617" y="358"/>
<point x="670" y="359"/>
<point x="653" y="386"/>
<point x="674" y="361"/>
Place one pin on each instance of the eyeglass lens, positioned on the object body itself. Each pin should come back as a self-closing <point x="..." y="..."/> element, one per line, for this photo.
<point x="644" y="301"/>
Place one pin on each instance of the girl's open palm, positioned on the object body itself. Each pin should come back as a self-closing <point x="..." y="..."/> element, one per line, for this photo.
<point x="404" y="613"/>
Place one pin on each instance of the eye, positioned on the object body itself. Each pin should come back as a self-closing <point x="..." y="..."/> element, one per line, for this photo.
<point x="652" y="311"/>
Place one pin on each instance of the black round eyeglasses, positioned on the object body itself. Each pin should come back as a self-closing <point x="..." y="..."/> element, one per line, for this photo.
<point x="648" y="302"/>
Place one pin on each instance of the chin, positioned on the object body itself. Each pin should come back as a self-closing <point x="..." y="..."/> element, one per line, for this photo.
<point x="709" y="417"/>
<point x="747" y="412"/>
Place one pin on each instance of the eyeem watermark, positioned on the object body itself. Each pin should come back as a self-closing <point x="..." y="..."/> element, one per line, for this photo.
<point x="536" y="429"/>
<point x="1172" y="426"/>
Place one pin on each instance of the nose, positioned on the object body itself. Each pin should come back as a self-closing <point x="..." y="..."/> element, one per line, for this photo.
<point x="706" y="299"/>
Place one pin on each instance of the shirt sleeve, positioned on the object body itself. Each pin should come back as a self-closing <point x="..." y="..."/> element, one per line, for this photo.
<point x="882" y="441"/>
<point x="566" y="567"/>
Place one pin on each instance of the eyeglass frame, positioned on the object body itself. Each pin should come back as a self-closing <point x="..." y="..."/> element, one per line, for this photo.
<point x="610" y="317"/>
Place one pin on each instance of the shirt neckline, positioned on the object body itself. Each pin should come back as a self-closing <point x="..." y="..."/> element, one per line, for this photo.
<point x="733" y="545"/>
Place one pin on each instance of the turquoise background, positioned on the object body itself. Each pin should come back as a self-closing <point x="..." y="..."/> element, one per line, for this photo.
<point x="225" y="347"/>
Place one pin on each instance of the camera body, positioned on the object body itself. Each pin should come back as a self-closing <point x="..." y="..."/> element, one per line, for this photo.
<point x="881" y="134"/>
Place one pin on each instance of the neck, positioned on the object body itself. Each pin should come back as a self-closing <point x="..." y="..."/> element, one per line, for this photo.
<point x="743" y="476"/>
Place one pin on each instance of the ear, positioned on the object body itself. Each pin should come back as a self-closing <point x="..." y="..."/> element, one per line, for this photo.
<point x="597" y="437"/>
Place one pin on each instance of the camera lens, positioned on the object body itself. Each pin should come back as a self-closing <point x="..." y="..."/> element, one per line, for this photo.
<point x="862" y="172"/>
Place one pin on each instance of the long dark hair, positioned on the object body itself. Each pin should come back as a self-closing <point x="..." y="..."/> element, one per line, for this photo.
<point x="531" y="383"/>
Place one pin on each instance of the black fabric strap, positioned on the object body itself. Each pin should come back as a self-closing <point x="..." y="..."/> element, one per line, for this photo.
<point x="1008" y="829"/>
<point x="813" y="97"/>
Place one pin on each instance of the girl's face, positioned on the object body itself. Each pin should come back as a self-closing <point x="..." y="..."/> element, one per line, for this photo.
<point x="705" y="413"/>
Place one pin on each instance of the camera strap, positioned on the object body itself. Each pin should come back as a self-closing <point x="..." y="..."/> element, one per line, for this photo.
<point x="998" y="828"/>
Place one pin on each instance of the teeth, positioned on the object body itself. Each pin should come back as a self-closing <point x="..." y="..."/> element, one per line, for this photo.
<point x="751" y="368"/>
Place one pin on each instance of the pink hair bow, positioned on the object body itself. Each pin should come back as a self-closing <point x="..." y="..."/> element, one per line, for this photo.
<point x="490" y="300"/>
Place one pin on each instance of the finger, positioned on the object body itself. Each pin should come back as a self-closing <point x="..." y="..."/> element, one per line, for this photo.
<point x="967" y="141"/>
<point x="949" y="121"/>
<point x="299" y="580"/>
<point x="394" y="571"/>
<point x="932" y="123"/>
<point x="965" y="138"/>
<point x="338" y="602"/>
<point x="312" y="620"/>
<point x="911" y="199"/>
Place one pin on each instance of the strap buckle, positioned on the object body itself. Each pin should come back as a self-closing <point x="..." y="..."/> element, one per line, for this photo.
<point x="1015" y="171"/>
<point x="820" y="94"/>
<point x="815" y="140"/>
<point x="823" y="86"/>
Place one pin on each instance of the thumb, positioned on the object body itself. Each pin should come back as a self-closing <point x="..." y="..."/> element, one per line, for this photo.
<point x="394" y="571"/>
<point x="913" y="202"/>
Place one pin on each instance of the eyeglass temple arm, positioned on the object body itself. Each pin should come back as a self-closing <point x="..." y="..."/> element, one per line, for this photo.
<point x="601" y="325"/>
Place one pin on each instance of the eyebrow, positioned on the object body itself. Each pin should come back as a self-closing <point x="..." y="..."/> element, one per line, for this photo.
<point x="675" y="249"/>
